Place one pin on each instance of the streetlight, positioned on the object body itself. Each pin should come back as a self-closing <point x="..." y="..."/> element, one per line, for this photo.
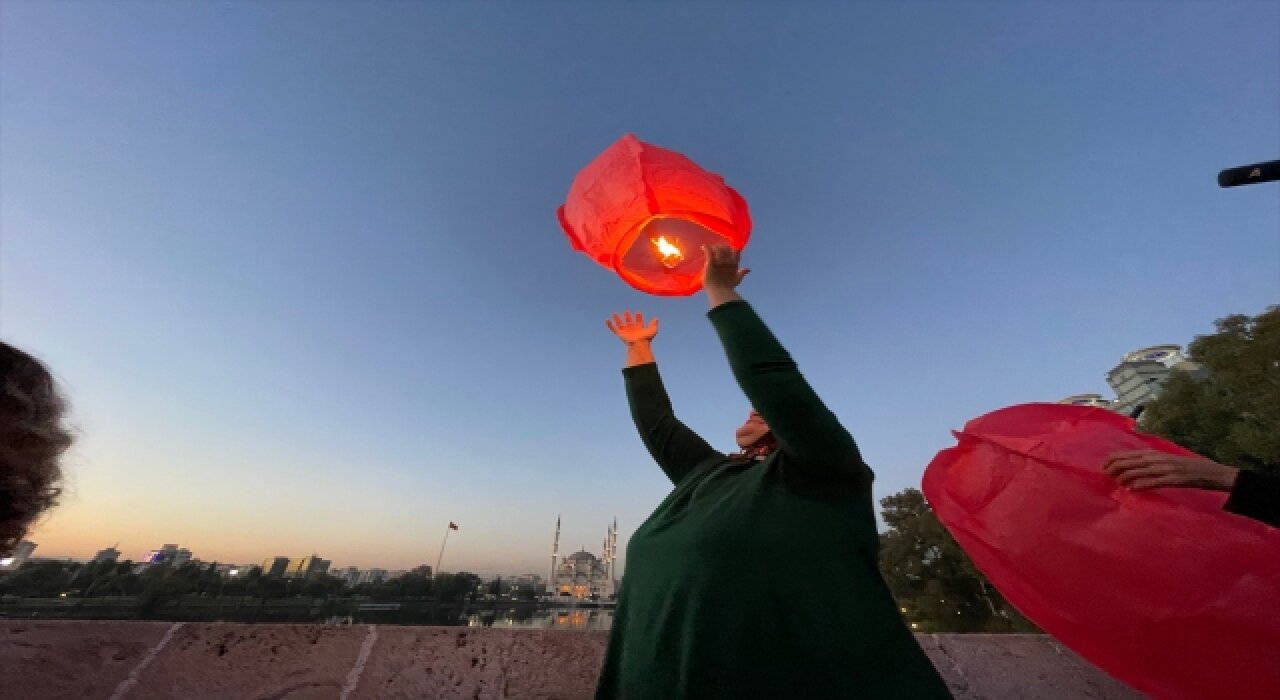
<point x="1250" y="174"/>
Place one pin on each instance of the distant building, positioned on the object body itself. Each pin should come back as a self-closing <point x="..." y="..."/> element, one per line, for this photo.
<point x="1140" y="376"/>
<point x="372" y="576"/>
<point x="396" y="574"/>
<point x="581" y="574"/>
<point x="230" y="570"/>
<point x="108" y="554"/>
<point x="306" y="567"/>
<point x="21" y="553"/>
<point x="1095" y="400"/>
<point x="350" y="576"/>
<point x="168" y="555"/>
<point x="498" y="585"/>
<point x="274" y="567"/>
<point x="533" y="581"/>
<point x="528" y="582"/>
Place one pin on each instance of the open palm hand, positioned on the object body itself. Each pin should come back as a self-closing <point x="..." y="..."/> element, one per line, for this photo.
<point x="631" y="328"/>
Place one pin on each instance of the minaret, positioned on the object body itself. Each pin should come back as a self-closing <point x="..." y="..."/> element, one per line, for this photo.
<point x="608" y="563"/>
<point x="613" y="555"/>
<point x="555" y="552"/>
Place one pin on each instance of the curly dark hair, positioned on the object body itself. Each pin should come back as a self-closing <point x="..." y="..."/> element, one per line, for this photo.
<point x="32" y="439"/>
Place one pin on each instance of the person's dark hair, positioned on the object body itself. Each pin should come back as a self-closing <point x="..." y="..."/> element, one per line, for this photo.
<point x="32" y="440"/>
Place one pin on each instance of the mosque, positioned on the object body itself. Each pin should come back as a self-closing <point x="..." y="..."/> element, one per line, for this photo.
<point x="582" y="575"/>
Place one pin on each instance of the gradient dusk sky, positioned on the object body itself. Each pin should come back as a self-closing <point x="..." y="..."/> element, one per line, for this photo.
<point x="298" y="268"/>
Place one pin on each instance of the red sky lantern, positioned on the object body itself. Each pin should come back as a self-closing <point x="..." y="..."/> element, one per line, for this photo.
<point x="645" y="212"/>
<point x="1162" y="589"/>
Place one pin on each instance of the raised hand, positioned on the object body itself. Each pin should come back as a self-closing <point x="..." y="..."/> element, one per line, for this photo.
<point x="631" y="329"/>
<point x="1152" y="469"/>
<point x="722" y="271"/>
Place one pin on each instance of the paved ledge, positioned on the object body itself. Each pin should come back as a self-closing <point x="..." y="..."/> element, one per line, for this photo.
<point x="152" y="660"/>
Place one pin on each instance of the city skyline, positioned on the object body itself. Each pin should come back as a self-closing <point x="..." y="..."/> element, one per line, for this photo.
<point x="300" y="275"/>
<point x="332" y="568"/>
<point x="610" y="554"/>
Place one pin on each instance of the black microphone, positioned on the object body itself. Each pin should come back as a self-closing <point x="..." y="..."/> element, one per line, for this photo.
<point x="1249" y="174"/>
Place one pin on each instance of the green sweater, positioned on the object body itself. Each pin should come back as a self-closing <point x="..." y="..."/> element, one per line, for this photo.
<point x="758" y="579"/>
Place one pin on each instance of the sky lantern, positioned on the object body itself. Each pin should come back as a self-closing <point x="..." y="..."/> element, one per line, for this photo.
<point x="1162" y="589"/>
<point x="645" y="212"/>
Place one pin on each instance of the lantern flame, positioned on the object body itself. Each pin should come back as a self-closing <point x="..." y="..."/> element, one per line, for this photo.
<point x="668" y="253"/>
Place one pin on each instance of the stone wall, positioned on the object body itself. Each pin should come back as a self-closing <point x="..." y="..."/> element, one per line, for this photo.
<point x="144" y="660"/>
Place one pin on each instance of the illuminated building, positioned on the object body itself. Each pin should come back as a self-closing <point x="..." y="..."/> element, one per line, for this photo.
<point x="21" y="553"/>
<point x="1095" y="400"/>
<point x="582" y="575"/>
<point x="275" y="566"/>
<point x="350" y="576"/>
<point x="1140" y="376"/>
<point x="306" y="567"/>
<point x="169" y="555"/>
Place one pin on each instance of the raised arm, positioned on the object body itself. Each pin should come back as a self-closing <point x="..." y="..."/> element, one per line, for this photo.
<point x="812" y="441"/>
<point x="1254" y="494"/>
<point x="675" y="448"/>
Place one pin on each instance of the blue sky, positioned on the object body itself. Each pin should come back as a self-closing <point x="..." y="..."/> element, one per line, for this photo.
<point x="298" y="268"/>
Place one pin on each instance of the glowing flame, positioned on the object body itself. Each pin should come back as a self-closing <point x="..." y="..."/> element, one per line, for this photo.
<point x="668" y="252"/>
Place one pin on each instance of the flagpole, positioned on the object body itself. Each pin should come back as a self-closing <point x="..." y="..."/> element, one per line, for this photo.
<point x="442" y="544"/>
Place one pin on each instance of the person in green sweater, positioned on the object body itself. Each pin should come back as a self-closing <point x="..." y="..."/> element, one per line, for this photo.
<point x="756" y="577"/>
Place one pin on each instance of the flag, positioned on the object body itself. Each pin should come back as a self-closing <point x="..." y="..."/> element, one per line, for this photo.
<point x="453" y="525"/>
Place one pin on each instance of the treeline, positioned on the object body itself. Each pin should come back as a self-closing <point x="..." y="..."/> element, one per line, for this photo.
<point x="936" y="585"/>
<point x="52" y="579"/>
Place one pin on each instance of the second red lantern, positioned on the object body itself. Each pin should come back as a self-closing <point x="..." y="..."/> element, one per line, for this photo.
<point x="645" y="212"/>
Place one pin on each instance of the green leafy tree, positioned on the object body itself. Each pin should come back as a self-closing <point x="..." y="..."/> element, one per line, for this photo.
<point x="163" y="584"/>
<point x="87" y="575"/>
<point x="129" y="584"/>
<point x="415" y="585"/>
<point x="323" y="586"/>
<point x="39" y="579"/>
<point x="934" y="581"/>
<point x="1231" y="413"/>
<point x="269" y="587"/>
<point x="252" y="582"/>
<point x="456" y="587"/>
<point x="208" y="580"/>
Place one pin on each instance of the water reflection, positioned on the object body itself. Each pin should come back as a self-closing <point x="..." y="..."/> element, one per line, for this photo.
<point x="572" y="619"/>
<point x="334" y="612"/>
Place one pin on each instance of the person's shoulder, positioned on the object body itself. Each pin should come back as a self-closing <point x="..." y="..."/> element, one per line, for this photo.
<point x="850" y="483"/>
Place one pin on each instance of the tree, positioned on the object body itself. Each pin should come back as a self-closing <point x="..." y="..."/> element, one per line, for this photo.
<point x="455" y="587"/>
<point x="44" y="578"/>
<point x="1231" y="413"/>
<point x="323" y="585"/>
<point x="934" y="581"/>
<point x="272" y="588"/>
<point x="414" y="585"/>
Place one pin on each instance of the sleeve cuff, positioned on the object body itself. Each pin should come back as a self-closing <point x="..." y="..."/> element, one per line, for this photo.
<point x="1254" y="493"/>
<point x="636" y="371"/>
<point x="727" y="308"/>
